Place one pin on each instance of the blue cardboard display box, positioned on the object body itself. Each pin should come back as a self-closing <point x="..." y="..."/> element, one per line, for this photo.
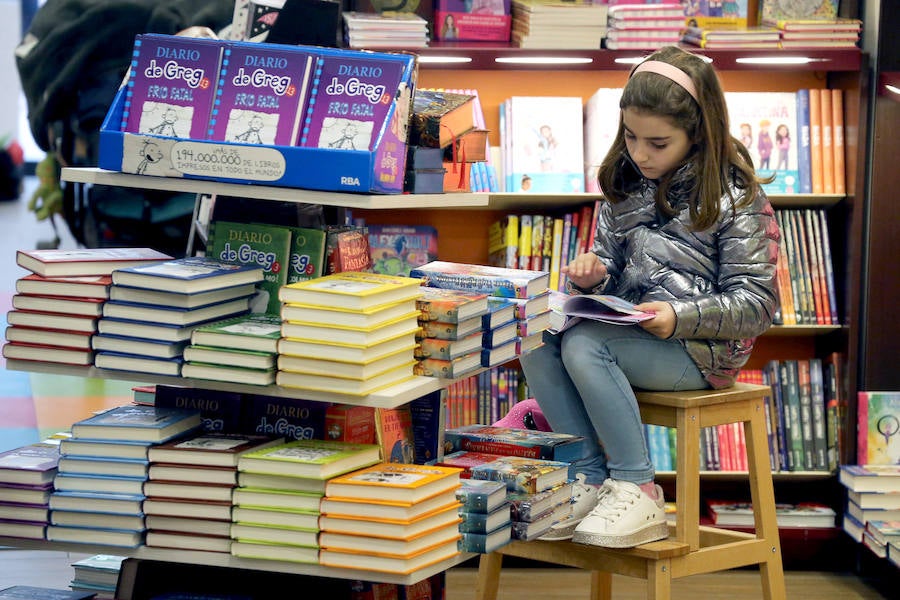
<point x="380" y="170"/>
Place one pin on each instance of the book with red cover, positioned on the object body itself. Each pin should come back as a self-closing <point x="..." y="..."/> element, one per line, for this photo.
<point x="85" y="261"/>
<point x="347" y="249"/>
<point x="93" y="286"/>
<point x="438" y="118"/>
<point x="395" y="434"/>
<point x="350" y="423"/>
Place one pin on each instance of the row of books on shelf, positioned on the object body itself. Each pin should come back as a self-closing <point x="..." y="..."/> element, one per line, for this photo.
<point x="773" y="33"/>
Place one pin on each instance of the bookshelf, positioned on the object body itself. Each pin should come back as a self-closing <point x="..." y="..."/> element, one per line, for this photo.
<point x="463" y="220"/>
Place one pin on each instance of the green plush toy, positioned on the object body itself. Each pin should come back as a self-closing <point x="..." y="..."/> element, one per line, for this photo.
<point x="47" y="199"/>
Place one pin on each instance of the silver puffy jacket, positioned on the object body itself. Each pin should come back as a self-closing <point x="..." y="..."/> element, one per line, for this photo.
<point x="721" y="281"/>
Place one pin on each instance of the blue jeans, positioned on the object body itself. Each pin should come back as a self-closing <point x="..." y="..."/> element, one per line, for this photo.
<point x="582" y="379"/>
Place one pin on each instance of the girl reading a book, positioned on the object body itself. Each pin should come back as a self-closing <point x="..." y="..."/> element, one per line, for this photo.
<point x="686" y="233"/>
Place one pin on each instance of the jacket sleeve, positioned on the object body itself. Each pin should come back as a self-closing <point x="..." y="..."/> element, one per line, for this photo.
<point x="746" y="300"/>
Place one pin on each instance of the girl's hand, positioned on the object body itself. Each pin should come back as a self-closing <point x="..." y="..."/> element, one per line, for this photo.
<point x="585" y="271"/>
<point x="663" y="324"/>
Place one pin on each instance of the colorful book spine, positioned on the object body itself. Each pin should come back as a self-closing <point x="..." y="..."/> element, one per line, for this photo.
<point x="171" y="86"/>
<point x="804" y="150"/>
<point x="815" y="141"/>
<point x="827" y="142"/>
<point x="837" y="141"/>
<point x="261" y="94"/>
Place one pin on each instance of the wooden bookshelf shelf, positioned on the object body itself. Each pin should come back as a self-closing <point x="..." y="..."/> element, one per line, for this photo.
<point x="219" y="559"/>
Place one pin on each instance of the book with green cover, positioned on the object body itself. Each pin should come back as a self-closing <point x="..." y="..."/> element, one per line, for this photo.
<point x="257" y="244"/>
<point x="319" y="459"/>
<point x="307" y="259"/>
<point x="252" y="331"/>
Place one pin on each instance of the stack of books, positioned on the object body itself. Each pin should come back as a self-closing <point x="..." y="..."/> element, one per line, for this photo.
<point x="390" y="517"/>
<point x="188" y="473"/>
<point x="644" y="26"/>
<point x="558" y="24"/>
<point x="97" y="574"/>
<point x="26" y="481"/>
<point x="817" y="33"/>
<point x="99" y="487"/>
<point x="390" y="29"/>
<point x="532" y="317"/>
<point x="486" y="522"/>
<point x="57" y="306"/>
<point x="280" y="492"/>
<point x="351" y="332"/>
<point x="500" y="332"/>
<point x="711" y="38"/>
<point x="152" y="310"/>
<point x="242" y="349"/>
<point x="450" y="339"/>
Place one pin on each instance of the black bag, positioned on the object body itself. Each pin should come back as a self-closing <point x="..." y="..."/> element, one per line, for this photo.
<point x="71" y="63"/>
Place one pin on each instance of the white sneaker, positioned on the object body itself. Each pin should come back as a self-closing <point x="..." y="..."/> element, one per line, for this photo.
<point x="584" y="499"/>
<point x="624" y="517"/>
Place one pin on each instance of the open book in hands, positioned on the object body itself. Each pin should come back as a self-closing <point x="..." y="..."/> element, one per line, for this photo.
<point x="598" y="307"/>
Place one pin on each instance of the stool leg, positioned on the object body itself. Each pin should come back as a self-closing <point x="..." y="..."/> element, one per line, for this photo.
<point x="659" y="580"/>
<point x="762" y="494"/>
<point x="488" y="576"/>
<point x="601" y="585"/>
<point x="687" y="477"/>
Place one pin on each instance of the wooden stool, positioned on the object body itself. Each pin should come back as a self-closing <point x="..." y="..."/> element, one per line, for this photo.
<point x="690" y="548"/>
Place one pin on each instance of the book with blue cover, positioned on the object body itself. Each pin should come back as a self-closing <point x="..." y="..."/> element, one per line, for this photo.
<point x="188" y="274"/>
<point x="220" y="410"/>
<point x="481" y="495"/>
<point x="137" y="422"/>
<point x="494" y="281"/>
<point x="261" y="94"/>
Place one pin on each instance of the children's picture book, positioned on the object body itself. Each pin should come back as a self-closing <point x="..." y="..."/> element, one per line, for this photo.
<point x="600" y="307"/>
<point x="396" y="249"/>
<point x="407" y="483"/>
<point x="495" y="281"/>
<point x="188" y="275"/>
<point x="449" y="305"/>
<point x="32" y="464"/>
<point x="307" y="257"/>
<point x="439" y="117"/>
<point x="89" y="262"/>
<point x="171" y="85"/>
<point x="395" y="434"/>
<point x="319" y="459"/>
<point x="878" y="428"/>
<point x="352" y="95"/>
<point x="252" y="331"/>
<point x="210" y="449"/>
<point x="530" y="443"/>
<point x="261" y="95"/>
<point x="353" y="290"/>
<point x="546" y="144"/>
<point x="523" y="474"/>
<point x="137" y="423"/>
<point x="730" y="14"/>
<point x="259" y="245"/>
<point x="766" y="123"/>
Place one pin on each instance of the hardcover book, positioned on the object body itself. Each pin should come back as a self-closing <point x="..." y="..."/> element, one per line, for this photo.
<point x="527" y="507"/>
<point x="274" y="535"/>
<point x="398" y="512"/>
<point x="397" y="530"/>
<point x="532" y="530"/>
<point x="188" y="275"/>
<point x="495" y="281"/>
<point x="346" y="249"/>
<point x="432" y="347"/>
<point x="173" y="316"/>
<point x="353" y="94"/>
<point x="86" y="535"/>
<point x="774" y="10"/>
<point x="119" y="361"/>
<point x="395" y="434"/>
<point x="45" y="320"/>
<point x="466" y="460"/>
<point x="870" y="478"/>
<point x="137" y="423"/>
<point x="195" y="509"/>
<point x="429" y="418"/>
<point x="341" y="385"/>
<point x="202" y="474"/>
<point x="130" y="345"/>
<point x="319" y="459"/>
<point x="501" y="311"/>
<point x="116" y="467"/>
<point x="367" y="318"/>
<point x="258" y="245"/>
<point x="187" y="541"/>
<point x="450" y="305"/>
<point x="74" y="482"/>
<point x="276" y="517"/>
<point x="247" y="360"/>
<point x="32" y="464"/>
<point x="740" y="514"/>
<point x="210" y="449"/>
<point x="440" y="117"/>
<point x="485" y="543"/>
<point x="58" y="304"/>
<point x="266" y="498"/>
<point x="96" y="286"/>
<point x="193" y="490"/>
<point x="355" y="543"/>
<point x="176" y="300"/>
<point x="261" y="95"/>
<point x="523" y="474"/>
<point x="298" y="554"/>
<point x="390" y="564"/>
<point x="171" y="85"/>
<point x="529" y="443"/>
<point x="450" y="331"/>
<point x="85" y="261"/>
<point x="396" y="249"/>
<point x="252" y="331"/>
<point x="352" y="290"/>
<point x="448" y="369"/>
<point x="878" y="422"/>
<point x="125" y="449"/>
<point x="144" y="329"/>
<point x="38" y="352"/>
<point x="481" y="495"/>
<point x="28" y="592"/>
<point x="394" y="482"/>
<point x="220" y="411"/>
<point x="346" y="352"/>
<point x="359" y="371"/>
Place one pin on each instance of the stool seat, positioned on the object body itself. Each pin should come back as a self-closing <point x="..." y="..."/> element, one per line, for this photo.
<point x="691" y="549"/>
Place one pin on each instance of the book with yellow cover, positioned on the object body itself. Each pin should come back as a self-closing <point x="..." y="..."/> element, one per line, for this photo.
<point x="347" y="369"/>
<point x="397" y="530"/>
<point x="318" y="459"/>
<point x="342" y="385"/>
<point x="351" y="289"/>
<point x="338" y="333"/>
<point x="370" y="561"/>
<point x="395" y="548"/>
<point x="374" y="316"/>
<point x="394" y="481"/>
<point x="386" y="511"/>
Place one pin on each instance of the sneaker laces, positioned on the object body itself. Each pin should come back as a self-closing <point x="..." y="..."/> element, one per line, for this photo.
<point x="615" y="499"/>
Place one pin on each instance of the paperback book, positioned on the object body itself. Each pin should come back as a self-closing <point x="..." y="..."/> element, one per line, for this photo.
<point x="261" y="95"/>
<point x="171" y="85"/>
<point x="481" y="495"/>
<point x="878" y="422"/>
<point x="600" y="307"/>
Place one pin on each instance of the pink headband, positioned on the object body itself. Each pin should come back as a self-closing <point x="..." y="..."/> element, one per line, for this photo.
<point x="669" y="71"/>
